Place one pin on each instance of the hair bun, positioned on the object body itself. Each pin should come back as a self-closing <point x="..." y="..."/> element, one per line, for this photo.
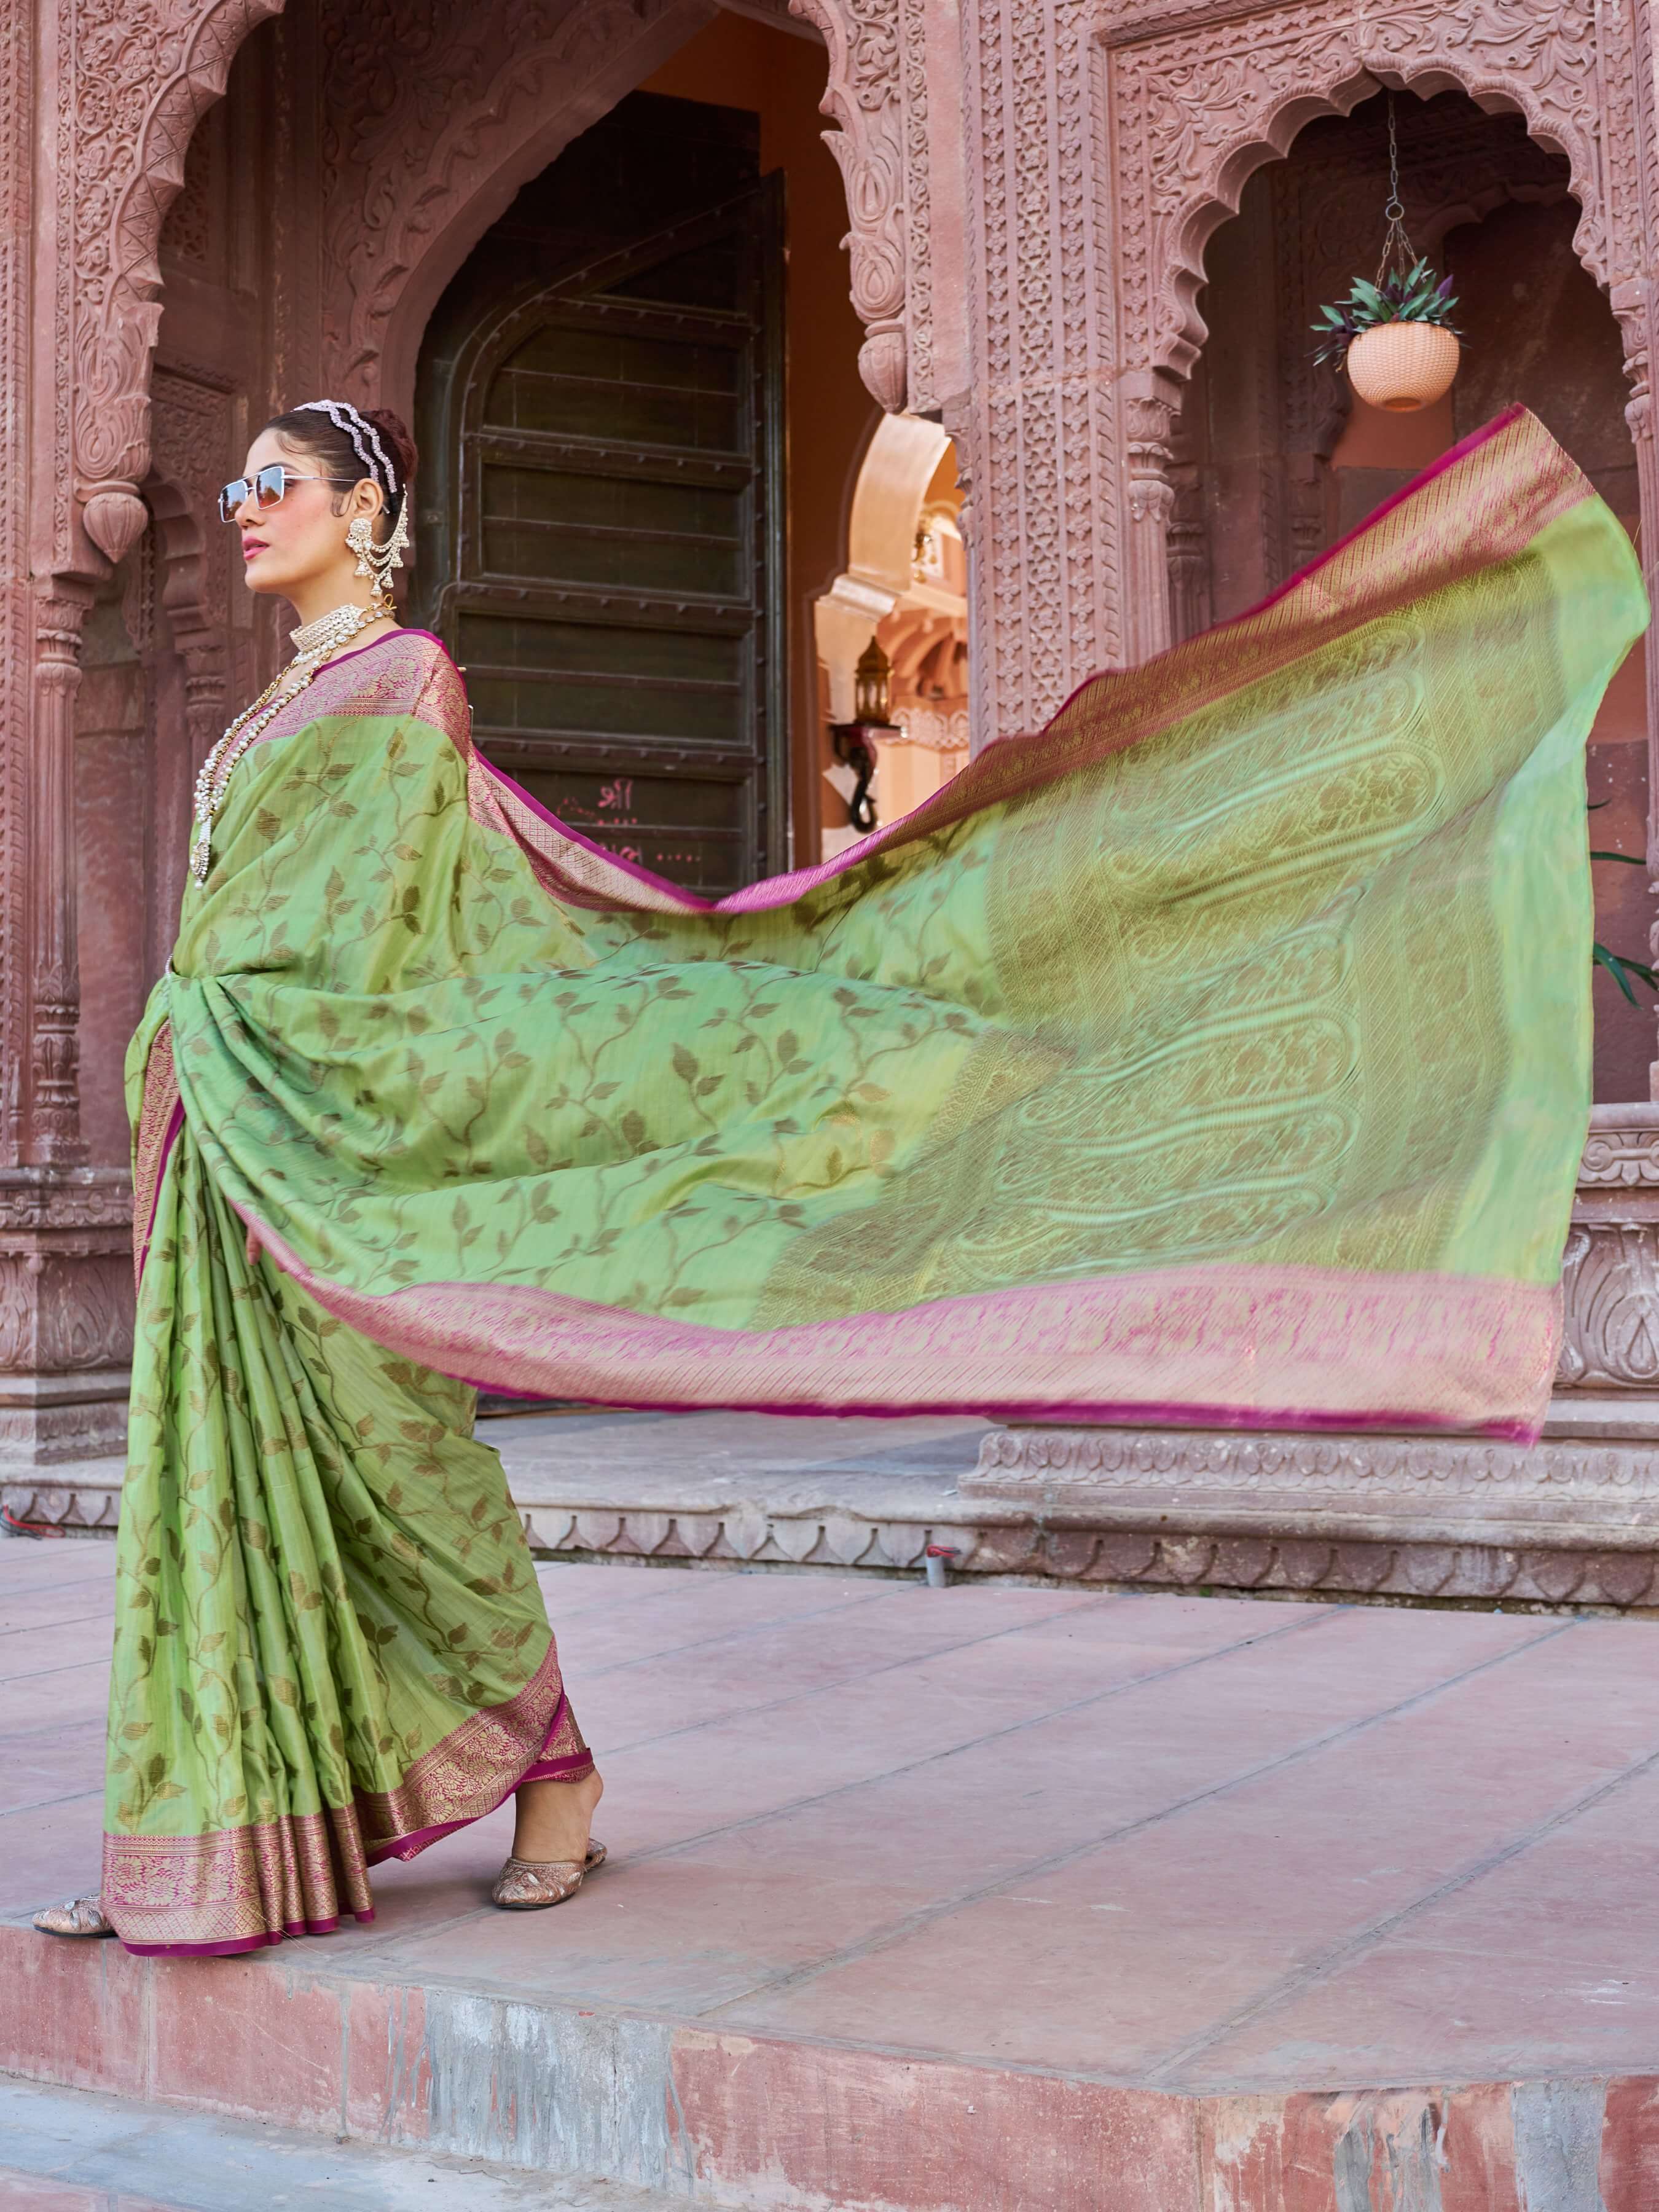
<point x="394" y="436"/>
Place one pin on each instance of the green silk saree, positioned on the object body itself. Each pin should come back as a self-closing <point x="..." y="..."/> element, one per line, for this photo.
<point x="1219" y="1055"/>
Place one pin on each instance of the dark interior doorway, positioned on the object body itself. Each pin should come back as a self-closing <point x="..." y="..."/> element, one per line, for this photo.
<point x="601" y="534"/>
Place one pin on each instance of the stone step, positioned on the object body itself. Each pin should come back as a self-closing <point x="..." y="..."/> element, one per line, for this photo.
<point x="508" y="2098"/>
<point x="73" y="2150"/>
<point x="1573" y="1520"/>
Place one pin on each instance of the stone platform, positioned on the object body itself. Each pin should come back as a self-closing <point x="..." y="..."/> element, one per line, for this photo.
<point x="984" y="1899"/>
<point x="1571" y="1521"/>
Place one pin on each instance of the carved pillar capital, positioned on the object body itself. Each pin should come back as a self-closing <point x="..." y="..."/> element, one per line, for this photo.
<point x="1151" y="404"/>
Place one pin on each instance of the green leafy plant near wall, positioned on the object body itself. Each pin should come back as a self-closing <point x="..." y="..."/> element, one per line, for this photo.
<point x="1619" y="965"/>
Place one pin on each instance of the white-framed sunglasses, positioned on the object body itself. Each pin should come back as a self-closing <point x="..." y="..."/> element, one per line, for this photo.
<point x="267" y="488"/>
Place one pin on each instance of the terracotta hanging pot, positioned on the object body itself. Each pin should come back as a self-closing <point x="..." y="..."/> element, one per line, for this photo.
<point x="1402" y="365"/>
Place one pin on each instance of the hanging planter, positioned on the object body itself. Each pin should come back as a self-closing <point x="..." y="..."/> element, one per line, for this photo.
<point x="1394" y="334"/>
<point x="1402" y="365"/>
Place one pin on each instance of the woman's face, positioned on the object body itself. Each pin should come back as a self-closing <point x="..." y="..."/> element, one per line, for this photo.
<point x="302" y="539"/>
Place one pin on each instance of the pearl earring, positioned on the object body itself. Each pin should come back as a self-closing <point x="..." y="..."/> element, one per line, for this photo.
<point x="377" y="562"/>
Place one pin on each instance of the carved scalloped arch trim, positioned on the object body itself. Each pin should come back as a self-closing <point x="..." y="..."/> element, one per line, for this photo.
<point x="1179" y="232"/>
<point x="111" y="430"/>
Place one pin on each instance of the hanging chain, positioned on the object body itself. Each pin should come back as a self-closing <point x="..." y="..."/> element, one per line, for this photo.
<point x="1397" y="248"/>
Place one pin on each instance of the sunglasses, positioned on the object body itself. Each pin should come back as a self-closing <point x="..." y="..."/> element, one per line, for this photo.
<point x="266" y="488"/>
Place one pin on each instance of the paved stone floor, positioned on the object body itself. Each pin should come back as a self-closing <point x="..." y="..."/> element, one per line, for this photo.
<point x="1021" y="1873"/>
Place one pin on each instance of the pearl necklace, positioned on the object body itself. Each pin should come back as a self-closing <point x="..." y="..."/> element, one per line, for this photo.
<point x="313" y="642"/>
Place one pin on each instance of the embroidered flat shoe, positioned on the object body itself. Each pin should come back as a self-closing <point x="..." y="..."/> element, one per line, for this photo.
<point x="531" y="1885"/>
<point x="76" y="1916"/>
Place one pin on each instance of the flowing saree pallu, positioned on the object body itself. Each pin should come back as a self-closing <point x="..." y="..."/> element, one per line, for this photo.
<point x="1219" y="1055"/>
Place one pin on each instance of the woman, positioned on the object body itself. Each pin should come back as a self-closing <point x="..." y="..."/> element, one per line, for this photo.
<point x="331" y="1647"/>
<point x="1217" y="1057"/>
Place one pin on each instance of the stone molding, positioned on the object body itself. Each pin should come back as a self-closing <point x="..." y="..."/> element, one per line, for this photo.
<point x="1567" y="1523"/>
<point x="1344" y="1517"/>
<point x="417" y="164"/>
<point x="1621" y="1157"/>
<point x="78" y="1199"/>
<point x="1350" y="1476"/>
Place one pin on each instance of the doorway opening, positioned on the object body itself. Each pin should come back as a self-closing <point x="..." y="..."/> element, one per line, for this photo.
<point x="899" y="610"/>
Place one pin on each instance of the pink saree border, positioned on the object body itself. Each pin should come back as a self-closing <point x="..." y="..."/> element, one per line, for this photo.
<point x="236" y="1889"/>
<point x="160" y="1118"/>
<point x="1197" y="1346"/>
<point x="1483" y="501"/>
<point x="419" y="678"/>
<point x="301" y="1875"/>
<point x="458" y="1780"/>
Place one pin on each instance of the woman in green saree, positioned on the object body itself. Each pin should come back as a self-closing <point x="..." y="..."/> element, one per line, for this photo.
<point x="1218" y="1055"/>
<point x="330" y="1648"/>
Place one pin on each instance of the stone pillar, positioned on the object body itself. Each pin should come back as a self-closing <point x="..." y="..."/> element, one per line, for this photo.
<point x="1639" y="416"/>
<point x="65" y="1270"/>
<point x="51" y="1130"/>
<point x="65" y="1278"/>
<point x="1189" y="556"/>
<point x="1150" y="412"/>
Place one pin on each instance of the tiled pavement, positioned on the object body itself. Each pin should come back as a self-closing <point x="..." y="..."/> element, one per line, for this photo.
<point x="992" y="1897"/>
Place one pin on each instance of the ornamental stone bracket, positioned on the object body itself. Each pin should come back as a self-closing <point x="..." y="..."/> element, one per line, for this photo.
<point x="878" y="94"/>
<point x="131" y="88"/>
<point x="1610" y="1271"/>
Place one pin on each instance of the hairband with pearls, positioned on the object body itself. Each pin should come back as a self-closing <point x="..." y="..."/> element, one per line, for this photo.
<point x="344" y="416"/>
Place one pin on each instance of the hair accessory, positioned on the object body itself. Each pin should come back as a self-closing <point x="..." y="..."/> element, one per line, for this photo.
<point x="362" y="434"/>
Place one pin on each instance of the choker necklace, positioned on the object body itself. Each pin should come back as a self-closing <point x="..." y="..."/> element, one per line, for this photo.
<point x="313" y="642"/>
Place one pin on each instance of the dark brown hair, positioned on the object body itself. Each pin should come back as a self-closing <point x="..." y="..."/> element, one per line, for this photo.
<point x="309" y="431"/>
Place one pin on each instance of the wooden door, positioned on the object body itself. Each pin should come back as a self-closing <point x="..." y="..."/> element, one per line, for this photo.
<point x="613" y="542"/>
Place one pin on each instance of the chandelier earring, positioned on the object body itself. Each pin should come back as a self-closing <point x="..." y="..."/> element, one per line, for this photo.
<point x="377" y="561"/>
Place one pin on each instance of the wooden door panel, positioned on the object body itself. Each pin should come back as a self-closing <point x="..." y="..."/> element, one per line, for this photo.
<point x="616" y="516"/>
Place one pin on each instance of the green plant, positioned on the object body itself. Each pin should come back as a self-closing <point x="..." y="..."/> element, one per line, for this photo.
<point x="1401" y="295"/>
<point x="1619" y="965"/>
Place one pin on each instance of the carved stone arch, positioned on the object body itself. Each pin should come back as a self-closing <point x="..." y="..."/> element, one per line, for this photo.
<point x="1193" y="107"/>
<point x="412" y="185"/>
<point x="1176" y="331"/>
<point x="142" y="77"/>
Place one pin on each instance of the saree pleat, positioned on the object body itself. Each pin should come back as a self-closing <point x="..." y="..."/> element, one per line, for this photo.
<point x="331" y="1647"/>
<point x="1217" y="1055"/>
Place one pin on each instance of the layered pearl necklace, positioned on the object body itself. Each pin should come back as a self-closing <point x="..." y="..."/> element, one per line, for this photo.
<point x="313" y="642"/>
